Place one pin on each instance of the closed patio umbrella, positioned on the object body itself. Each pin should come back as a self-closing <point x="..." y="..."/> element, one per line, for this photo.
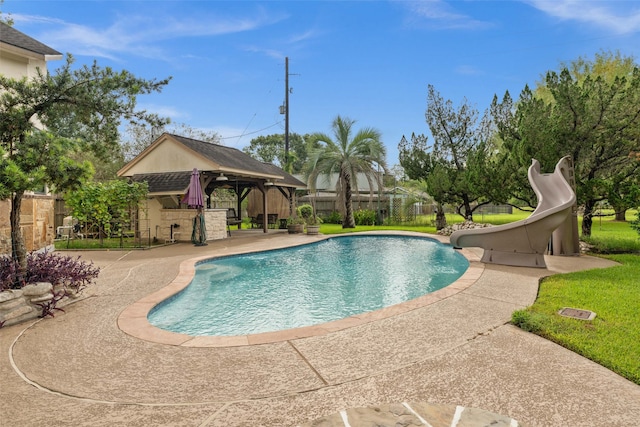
<point x="193" y="198"/>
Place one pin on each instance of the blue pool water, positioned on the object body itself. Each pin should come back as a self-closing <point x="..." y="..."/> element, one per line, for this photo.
<point x="307" y="285"/>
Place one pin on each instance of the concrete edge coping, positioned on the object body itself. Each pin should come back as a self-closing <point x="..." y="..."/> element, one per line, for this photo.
<point x="133" y="319"/>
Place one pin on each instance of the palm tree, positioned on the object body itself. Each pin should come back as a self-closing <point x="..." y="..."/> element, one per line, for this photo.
<point x="346" y="157"/>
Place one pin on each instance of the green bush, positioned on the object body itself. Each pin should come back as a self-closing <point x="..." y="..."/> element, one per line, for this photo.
<point x="333" y="218"/>
<point x="635" y="224"/>
<point x="305" y="211"/>
<point x="364" y="217"/>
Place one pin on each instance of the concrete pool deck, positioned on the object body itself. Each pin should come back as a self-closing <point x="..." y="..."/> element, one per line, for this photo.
<point x="80" y="368"/>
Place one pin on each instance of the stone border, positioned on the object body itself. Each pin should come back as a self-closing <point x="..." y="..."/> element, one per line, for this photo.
<point x="19" y="305"/>
<point x="133" y="319"/>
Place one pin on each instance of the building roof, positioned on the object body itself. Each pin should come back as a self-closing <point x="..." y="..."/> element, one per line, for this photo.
<point x="165" y="183"/>
<point x="288" y="179"/>
<point x="228" y="158"/>
<point x="167" y="163"/>
<point x="329" y="183"/>
<point x="13" y="37"/>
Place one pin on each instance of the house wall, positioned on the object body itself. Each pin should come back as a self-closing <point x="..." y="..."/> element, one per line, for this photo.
<point x="150" y="218"/>
<point x="15" y="66"/>
<point x="36" y="223"/>
<point x="37" y="211"/>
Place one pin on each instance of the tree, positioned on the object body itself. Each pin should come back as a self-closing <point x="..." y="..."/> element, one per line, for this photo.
<point x="140" y="136"/>
<point x="271" y="149"/>
<point x="6" y="18"/>
<point x="46" y="119"/>
<point x="105" y="205"/>
<point x="455" y="166"/>
<point x="347" y="157"/>
<point x="588" y="114"/>
<point x="418" y="164"/>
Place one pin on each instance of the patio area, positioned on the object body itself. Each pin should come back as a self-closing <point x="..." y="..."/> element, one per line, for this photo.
<point x="80" y="368"/>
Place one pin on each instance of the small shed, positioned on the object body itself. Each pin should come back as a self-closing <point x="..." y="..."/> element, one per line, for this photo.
<point x="166" y="166"/>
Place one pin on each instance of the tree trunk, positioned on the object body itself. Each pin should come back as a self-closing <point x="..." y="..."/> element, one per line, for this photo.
<point x="441" y="219"/>
<point x="349" y="221"/>
<point x="468" y="212"/>
<point x="18" y="250"/>
<point x="587" y="218"/>
<point x="621" y="214"/>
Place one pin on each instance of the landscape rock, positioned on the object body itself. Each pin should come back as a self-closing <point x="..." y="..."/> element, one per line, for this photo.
<point x="467" y="225"/>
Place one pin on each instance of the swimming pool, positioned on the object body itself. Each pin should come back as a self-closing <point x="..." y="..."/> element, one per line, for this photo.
<point x="307" y="285"/>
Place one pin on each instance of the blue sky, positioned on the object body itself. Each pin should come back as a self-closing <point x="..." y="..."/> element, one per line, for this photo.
<point x="367" y="60"/>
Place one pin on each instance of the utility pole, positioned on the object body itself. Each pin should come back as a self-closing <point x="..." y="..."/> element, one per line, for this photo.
<point x="284" y="109"/>
<point x="286" y="112"/>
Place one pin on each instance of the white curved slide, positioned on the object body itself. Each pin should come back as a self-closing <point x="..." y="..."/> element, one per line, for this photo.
<point x="524" y="243"/>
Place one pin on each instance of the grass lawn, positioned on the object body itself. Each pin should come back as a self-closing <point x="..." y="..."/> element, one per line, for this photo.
<point x="113" y="243"/>
<point x="612" y="339"/>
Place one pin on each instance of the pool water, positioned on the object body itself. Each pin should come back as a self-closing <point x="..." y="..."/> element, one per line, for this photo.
<point x="307" y="285"/>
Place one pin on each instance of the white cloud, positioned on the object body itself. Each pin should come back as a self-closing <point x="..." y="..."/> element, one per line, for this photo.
<point x="271" y="53"/>
<point x="140" y="35"/>
<point x="232" y="137"/>
<point x="619" y="17"/>
<point x="438" y="14"/>
<point x="309" y="34"/>
<point x="164" y="111"/>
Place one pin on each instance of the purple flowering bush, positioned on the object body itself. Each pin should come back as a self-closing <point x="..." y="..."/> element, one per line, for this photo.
<point x="49" y="267"/>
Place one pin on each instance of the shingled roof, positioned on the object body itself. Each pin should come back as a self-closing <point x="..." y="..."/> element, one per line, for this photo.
<point x="227" y="157"/>
<point x="240" y="168"/>
<point x="165" y="183"/>
<point x="13" y="37"/>
<point x="288" y="180"/>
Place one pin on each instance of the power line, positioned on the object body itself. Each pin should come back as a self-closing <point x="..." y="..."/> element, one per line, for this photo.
<point x="251" y="133"/>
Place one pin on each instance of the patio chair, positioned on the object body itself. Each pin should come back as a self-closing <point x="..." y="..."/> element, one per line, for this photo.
<point x="232" y="219"/>
<point x="256" y="222"/>
<point x="272" y="220"/>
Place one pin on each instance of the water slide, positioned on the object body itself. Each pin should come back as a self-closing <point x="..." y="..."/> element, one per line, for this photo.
<point x="524" y="243"/>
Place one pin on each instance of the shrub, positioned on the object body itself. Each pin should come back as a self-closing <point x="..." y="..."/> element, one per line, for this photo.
<point x="364" y="217"/>
<point x="50" y="267"/>
<point x="635" y="224"/>
<point x="7" y="272"/>
<point x="305" y="211"/>
<point x="333" y="218"/>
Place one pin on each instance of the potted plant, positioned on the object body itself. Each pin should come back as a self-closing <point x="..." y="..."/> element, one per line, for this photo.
<point x="311" y="221"/>
<point x="313" y="224"/>
<point x="295" y="224"/>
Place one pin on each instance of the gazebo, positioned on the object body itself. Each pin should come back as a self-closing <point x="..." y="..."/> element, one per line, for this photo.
<point x="166" y="165"/>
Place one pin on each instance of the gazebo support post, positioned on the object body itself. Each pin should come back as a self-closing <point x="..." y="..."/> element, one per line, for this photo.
<point x="265" y="217"/>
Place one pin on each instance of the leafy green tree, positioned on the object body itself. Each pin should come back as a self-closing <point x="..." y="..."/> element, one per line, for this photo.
<point x="635" y="224"/>
<point x="418" y="164"/>
<point x="105" y="205"/>
<point x="46" y="119"/>
<point x="346" y="155"/>
<point x="271" y="149"/>
<point x="591" y="116"/>
<point x="455" y="166"/>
